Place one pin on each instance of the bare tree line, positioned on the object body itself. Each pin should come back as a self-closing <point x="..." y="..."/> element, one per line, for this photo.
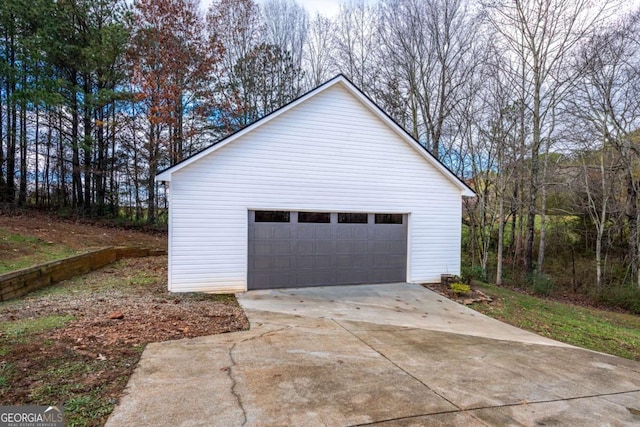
<point x="534" y="103"/>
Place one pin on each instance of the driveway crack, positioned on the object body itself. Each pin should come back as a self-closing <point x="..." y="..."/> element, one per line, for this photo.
<point x="230" y="370"/>
<point x="265" y="334"/>
<point x="234" y="384"/>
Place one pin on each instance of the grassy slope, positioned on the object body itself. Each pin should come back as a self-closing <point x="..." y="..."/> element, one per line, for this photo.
<point x="19" y="251"/>
<point x="599" y="330"/>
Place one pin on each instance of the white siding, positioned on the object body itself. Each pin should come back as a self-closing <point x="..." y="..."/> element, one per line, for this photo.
<point x="329" y="153"/>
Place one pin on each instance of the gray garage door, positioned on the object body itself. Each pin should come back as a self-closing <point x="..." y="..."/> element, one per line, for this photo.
<point x="296" y="249"/>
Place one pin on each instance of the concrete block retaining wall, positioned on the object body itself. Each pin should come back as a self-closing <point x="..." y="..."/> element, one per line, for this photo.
<point x="18" y="283"/>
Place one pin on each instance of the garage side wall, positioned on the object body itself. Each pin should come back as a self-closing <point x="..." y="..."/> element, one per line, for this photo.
<point x="329" y="153"/>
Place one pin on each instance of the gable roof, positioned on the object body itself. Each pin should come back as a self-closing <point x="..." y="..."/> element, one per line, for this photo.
<point x="165" y="175"/>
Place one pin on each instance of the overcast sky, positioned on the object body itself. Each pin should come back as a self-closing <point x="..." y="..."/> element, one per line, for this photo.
<point x="327" y="8"/>
<point x="330" y="8"/>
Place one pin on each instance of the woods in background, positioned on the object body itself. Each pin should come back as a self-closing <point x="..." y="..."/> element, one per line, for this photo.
<point x="534" y="103"/>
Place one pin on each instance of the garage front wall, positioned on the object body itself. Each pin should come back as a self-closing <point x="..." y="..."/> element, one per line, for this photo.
<point x="329" y="153"/>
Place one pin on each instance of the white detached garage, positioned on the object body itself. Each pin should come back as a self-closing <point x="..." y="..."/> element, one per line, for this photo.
<point x="327" y="190"/>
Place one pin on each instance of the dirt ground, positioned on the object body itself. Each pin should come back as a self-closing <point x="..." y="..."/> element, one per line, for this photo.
<point x="76" y="343"/>
<point x="78" y="234"/>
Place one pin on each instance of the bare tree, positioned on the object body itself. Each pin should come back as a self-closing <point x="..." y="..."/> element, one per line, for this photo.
<point x="430" y="44"/>
<point x="542" y="35"/>
<point x="287" y="27"/>
<point x="319" y="51"/>
<point x="357" y="43"/>
<point x="237" y="26"/>
<point x="604" y="106"/>
<point x="502" y="127"/>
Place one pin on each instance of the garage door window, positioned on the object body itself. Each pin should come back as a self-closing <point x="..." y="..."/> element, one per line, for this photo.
<point x="388" y="218"/>
<point x="273" y="216"/>
<point x="352" y="218"/>
<point x="314" y="217"/>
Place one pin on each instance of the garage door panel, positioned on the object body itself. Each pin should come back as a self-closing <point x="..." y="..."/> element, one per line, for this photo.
<point x="387" y="261"/>
<point x="388" y="247"/>
<point x="352" y="232"/>
<point x="322" y="261"/>
<point x="296" y="254"/>
<point x="324" y="246"/>
<point x="305" y="277"/>
<point x="387" y="231"/>
<point x="355" y="276"/>
<point x="314" y="231"/>
<point x="269" y="231"/>
<point x="304" y="261"/>
<point x="263" y="248"/>
<point x="281" y="247"/>
<point x="281" y="262"/>
<point x="261" y="263"/>
<point x="277" y="278"/>
<point x="352" y="247"/>
<point x="305" y="246"/>
<point x="386" y="276"/>
<point x="281" y="232"/>
<point x="262" y="277"/>
<point x="352" y="261"/>
<point x="324" y="276"/>
<point x="262" y="233"/>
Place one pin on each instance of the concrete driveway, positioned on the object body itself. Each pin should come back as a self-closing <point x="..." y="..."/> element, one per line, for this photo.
<point x="375" y="355"/>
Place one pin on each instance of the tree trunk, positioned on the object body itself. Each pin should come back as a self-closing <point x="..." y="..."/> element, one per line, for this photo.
<point x="113" y="187"/>
<point x="22" y="195"/>
<point x="3" y="189"/>
<point x="76" y="179"/>
<point x="153" y="165"/>
<point x="47" y="161"/>
<point x="99" y="175"/>
<point x="535" y="169"/>
<point x="500" y="249"/>
<point x="632" y="222"/>
<point x="37" y="160"/>
<point x="87" y="145"/>
<point x="600" y="232"/>
<point x="12" y="119"/>
<point x="543" y="219"/>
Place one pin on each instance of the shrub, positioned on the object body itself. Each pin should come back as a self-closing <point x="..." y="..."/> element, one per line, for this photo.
<point x="541" y="283"/>
<point x="625" y="296"/>
<point x="473" y="272"/>
<point x="459" y="288"/>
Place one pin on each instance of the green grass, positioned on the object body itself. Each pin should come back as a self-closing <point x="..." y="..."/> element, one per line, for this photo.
<point x="599" y="330"/>
<point x="17" y="332"/>
<point x="23" y="327"/>
<point x="60" y="385"/>
<point x="18" y="251"/>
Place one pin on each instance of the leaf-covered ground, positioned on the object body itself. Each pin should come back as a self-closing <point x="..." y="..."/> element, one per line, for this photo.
<point x="76" y="343"/>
